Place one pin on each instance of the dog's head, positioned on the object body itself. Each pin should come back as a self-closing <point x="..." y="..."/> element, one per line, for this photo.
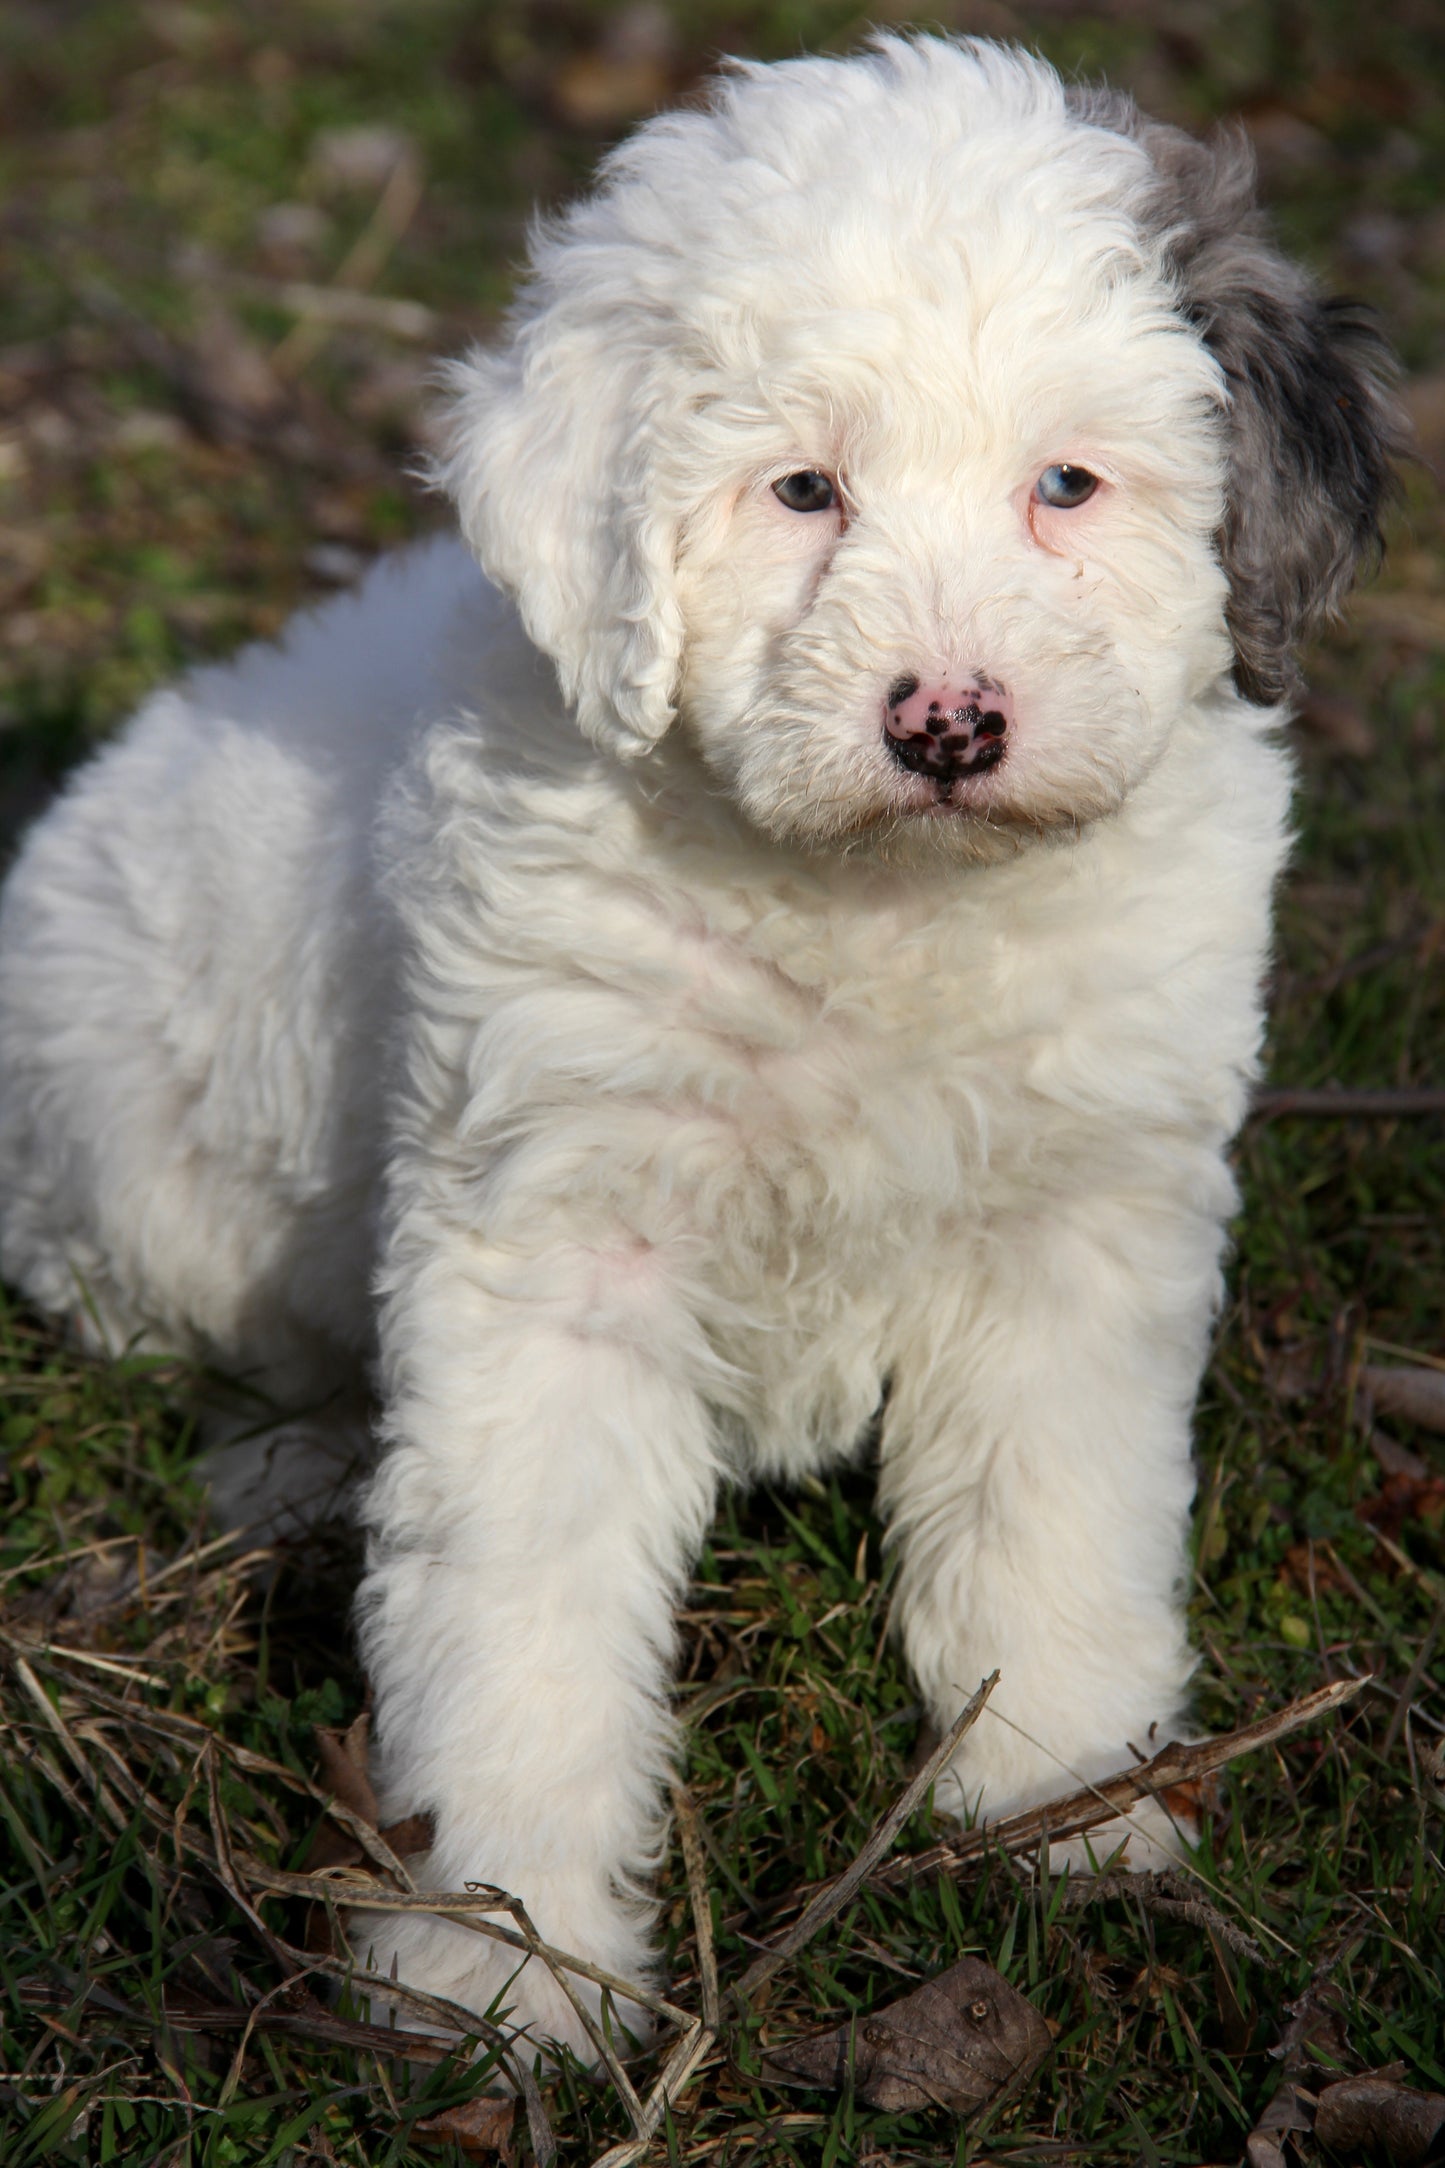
<point x="928" y="436"/>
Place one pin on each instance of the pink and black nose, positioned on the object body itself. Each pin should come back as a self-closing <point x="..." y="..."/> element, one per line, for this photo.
<point x="947" y="731"/>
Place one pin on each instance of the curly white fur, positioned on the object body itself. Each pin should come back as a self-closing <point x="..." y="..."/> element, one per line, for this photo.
<point x="651" y="1072"/>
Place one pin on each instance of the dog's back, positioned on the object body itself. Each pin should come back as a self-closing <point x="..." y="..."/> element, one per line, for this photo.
<point x="194" y="967"/>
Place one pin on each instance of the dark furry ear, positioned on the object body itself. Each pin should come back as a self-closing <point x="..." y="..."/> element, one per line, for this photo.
<point x="1314" y="430"/>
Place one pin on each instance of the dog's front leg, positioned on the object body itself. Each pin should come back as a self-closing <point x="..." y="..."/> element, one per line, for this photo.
<point x="1037" y="1476"/>
<point x="549" y="1475"/>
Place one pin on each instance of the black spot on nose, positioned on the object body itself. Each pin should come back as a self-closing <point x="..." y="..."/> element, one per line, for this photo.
<point x="900" y="690"/>
<point x="991" y="725"/>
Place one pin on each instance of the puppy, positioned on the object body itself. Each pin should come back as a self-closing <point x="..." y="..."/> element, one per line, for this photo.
<point x="777" y="962"/>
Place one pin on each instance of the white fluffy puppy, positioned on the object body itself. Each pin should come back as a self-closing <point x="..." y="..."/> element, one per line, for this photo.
<point x="783" y="959"/>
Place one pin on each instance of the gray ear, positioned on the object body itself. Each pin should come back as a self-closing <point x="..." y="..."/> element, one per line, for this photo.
<point x="1314" y="430"/>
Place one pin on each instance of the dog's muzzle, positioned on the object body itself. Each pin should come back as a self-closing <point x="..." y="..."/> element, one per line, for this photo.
<point x="947" y="731"/>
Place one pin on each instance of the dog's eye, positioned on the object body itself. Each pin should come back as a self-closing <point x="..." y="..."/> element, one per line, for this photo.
<point x="1065" y="486"/>
<point x="806" y="492"/>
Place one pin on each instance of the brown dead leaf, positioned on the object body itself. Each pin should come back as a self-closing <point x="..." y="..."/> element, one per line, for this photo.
<point x="1316" y="2029"/>
<point x="1375" y="2117"/>
<point x="594" y="91"/>
<point x="1403" y="1498"/>
<point x="1315" y="2035"/>
<point x="964" y="2040"/>
<point x="1190" y="1802"/>
<point x="338" y="1848"/>
<point x="342" y="1755"/>
<point x="630" y="71"/>
<point x="477" y="2126"/>
<point x="1291" y="2108"/>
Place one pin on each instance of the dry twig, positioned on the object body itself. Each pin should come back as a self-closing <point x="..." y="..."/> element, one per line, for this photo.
<point x="1081" y="1811"/>
<point x="1335" y="1103"/>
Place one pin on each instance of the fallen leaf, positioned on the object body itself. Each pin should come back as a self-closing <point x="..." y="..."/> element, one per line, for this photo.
<point x="1403" y="1498"/>
<point x="1190" y="1802"/>
<point x="594" y="91"/>
<point x="629" y="71"/>
<point x="342" y="1755"/>
<point x="477" y="2126"/>
<point x="1376" y="2115"/>
<point x="1291" y="2108"/>
<point x="963" y="2041"/>
<point x="1315" y="2034"/>
<point x="1316" y="2029"/>
<point x="335" y="1847"/>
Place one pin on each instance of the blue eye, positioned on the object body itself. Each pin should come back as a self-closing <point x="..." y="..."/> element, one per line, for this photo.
<point x="806" y="492"/>
<point x="1065" y="486"/>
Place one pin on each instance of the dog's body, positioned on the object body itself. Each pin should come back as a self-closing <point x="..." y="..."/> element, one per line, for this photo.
<point x="690" y="1098"/>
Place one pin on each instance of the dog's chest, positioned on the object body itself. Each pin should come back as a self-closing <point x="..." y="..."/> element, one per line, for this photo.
<point x="861" y="1075"/>
<point x="835" y="1128"/>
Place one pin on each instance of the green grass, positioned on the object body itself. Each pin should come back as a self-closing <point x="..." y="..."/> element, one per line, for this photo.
<point x="142" y="529"/>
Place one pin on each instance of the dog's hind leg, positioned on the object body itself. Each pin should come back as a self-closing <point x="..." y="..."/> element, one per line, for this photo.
<point x="1036" y="1473"/>
<point x="550" y="1472"/>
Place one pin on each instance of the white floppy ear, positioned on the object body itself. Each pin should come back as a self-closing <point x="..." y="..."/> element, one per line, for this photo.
<point x="549" y="458"/>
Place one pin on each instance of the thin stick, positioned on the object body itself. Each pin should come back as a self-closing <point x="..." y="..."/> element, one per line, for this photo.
<point x="395" y="210"/>
<point x="691" y="1836"/>
<point x="1331" y="1104"/>
<point x="362" y="1893"/>
<point x="239" y="1871"/>
<point x="1413" y="1677"/>
<point x="833" y="1896"/>
<point x="1170" y="1894"/>
<point x="1080" y="1811"/>
<point x="595" y="2028"/>
<point x="701" y="2037"/>
<point x="1381" y="1347"/>
<point x="336" y="306"/>
<point x="677" y="2072"/>
<point x="1420" y="1575"/>
<point x="110" y="1806"/>
<point x="89" y="1658"/>
<point x="374" y="1845"/>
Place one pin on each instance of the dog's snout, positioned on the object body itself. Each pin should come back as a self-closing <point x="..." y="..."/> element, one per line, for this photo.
<point x="946" y="731"/>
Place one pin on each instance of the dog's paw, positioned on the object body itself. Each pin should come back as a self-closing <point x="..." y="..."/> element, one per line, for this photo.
<point x="514" y="1996"/>
<point x="1154" y="1835"/>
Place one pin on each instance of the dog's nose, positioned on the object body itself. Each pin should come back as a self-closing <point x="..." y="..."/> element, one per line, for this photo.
<point x="946" y="731"/>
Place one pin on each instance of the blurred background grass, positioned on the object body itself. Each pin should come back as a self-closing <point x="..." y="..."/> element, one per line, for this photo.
<point x="231" y="240"/>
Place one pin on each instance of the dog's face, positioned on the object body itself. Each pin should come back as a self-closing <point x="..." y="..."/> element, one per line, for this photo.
<point x="949" y="576"/>
<point x="925" y="439"/>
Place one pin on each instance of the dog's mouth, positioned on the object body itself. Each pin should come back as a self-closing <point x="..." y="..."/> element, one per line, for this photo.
<point x="964" y="790"/>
